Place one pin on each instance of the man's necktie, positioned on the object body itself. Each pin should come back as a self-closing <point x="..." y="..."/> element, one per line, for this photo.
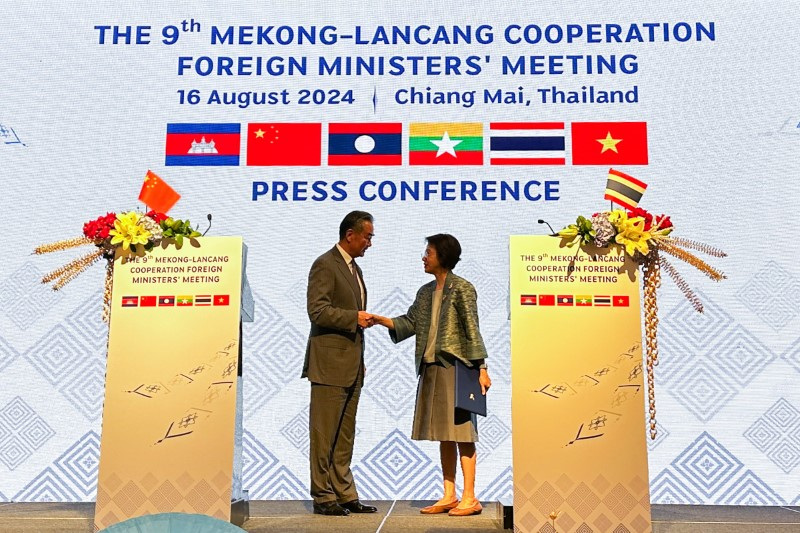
<point x="354" y="271"/>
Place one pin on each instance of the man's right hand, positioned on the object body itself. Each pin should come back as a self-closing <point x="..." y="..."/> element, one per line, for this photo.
<point x="365" y="319"/>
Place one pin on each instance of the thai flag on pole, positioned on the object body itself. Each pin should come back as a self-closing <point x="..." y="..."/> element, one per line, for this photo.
<point x="527" y="143"/>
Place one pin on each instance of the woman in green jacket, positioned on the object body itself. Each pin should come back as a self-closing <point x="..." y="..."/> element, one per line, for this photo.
<point x="444" y="318"/>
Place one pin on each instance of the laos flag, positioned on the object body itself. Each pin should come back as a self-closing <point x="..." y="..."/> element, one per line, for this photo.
<point x="365" y="144"/>
<point x="203" y="144"/>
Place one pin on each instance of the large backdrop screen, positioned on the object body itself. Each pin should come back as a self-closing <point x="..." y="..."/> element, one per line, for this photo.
<point x="475" y="119"/>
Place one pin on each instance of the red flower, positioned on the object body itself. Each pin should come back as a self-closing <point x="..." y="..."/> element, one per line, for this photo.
<point x="157" y="217"/>
<point x="98" y="229"/>
<point x="662" y="221"/>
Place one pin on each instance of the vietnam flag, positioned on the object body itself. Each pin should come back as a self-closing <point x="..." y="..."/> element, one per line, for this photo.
<point x="284" y="144"/>
<point x="621" y="301"/>
<point x="222" y="299"/>
<point x="156" y="194"/>
<point x="609" y="143"/>
<point x="445" y="143"/>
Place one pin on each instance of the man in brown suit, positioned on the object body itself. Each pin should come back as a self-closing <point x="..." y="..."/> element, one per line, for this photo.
<point x="336" y="301"/>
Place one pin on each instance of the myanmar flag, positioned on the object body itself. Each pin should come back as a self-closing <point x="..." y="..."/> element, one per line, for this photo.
<point x="583" y="300"/>
<point x="185" y="300"/>
<point x="284" y="144"/>
<point x="609" y="143"/>
<point x="446" y="143"/>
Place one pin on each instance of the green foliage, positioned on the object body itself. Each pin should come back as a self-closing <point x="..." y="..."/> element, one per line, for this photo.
<point x="177" y="230"/>
<point x="581" y="232"/>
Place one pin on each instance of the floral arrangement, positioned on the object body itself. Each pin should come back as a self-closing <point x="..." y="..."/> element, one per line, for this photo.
<point x="112" y="234"/>
<point x="647" y="239"/>
<point x="643" y="236"/>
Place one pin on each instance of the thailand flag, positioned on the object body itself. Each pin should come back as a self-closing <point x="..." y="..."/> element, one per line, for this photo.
<point x="527" y="143"/>
<point x="365" y="144"/>
<point x="203" y="144"/>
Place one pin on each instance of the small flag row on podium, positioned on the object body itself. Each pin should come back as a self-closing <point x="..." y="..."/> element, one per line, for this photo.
<point x="181" y="300"/>
<point x="574" y="300"/>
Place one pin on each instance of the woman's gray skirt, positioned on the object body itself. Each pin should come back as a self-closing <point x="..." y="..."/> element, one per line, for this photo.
<point x="435" y="416"/>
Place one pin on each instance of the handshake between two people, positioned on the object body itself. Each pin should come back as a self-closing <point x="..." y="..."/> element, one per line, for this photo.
<point x="367" y="320"/>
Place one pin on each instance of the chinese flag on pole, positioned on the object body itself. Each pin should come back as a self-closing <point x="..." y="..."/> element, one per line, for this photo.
<point x="156" y="194"/>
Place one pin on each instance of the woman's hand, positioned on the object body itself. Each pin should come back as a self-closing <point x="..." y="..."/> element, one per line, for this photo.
<point x="485" y="381"/>
<point x="383" y="321"/>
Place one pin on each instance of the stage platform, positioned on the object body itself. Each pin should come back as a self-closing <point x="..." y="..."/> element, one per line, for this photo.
<point x="403" y="516"/>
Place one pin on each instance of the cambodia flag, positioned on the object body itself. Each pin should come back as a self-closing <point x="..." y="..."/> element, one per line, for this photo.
<point x="203" y="144"/>
<point x="284" y="144"/>
<point x="365" y="144"/>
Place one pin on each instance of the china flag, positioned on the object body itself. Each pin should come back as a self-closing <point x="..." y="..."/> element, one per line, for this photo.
<point x="547" y="299"/>
<point x="156" y="194"/>
<point x="284" y="144"/>
<point x="609" y="143"/>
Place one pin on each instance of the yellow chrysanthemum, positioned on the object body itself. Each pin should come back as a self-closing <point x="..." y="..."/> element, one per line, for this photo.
<point x="128" y="231"/>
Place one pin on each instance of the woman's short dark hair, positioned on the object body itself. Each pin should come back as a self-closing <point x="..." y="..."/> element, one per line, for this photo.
<point x="448" y="249"/>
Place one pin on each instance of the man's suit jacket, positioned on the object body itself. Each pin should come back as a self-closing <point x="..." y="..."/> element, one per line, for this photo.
<point x="335" y="349"/>
<point x="458" y="335"/>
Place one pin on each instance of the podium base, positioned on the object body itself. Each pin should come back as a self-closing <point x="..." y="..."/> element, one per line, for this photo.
<point x="240" y="510"/>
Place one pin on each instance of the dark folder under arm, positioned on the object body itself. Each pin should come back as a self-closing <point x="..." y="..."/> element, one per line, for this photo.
<point x="468" y="389"/>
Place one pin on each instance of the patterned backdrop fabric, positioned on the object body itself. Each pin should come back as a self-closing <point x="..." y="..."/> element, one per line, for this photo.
<point x="723" y="127"/>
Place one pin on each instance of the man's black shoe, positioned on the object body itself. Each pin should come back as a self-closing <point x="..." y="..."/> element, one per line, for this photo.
<point x="356" y="506"/>
<point x="330" y="509"/>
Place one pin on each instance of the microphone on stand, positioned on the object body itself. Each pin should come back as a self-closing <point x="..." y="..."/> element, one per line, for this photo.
<point x="209" y="225"/>
<point x="541" y="221"/>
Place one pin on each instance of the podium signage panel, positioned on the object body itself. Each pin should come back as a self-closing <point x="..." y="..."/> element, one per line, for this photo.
<point x="578" y="420"/>
<point x="167" y="441"/>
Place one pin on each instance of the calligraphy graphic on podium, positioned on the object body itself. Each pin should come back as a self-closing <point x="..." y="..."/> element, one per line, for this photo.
<point x="170" y="410"/>
<point x="578" y="418"/>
